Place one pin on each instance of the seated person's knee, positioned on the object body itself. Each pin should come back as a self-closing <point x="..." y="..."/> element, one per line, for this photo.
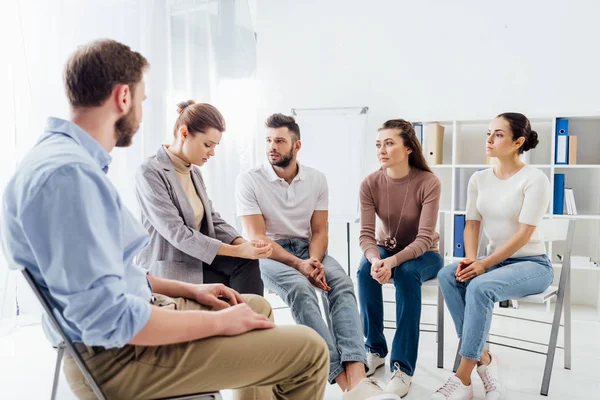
<point x="258" y="304"/>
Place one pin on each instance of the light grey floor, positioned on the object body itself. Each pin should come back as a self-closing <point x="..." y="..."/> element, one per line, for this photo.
<point x="27" y="362"/>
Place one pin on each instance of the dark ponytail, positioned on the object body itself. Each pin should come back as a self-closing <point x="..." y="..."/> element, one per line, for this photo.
<point x="521" y="127"/>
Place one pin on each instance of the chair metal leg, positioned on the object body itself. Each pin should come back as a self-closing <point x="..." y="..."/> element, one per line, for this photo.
<point x="59" y="355"/>
<point x="457" y="357"/>
<point x="567" y="324"/>
<point x="560" y="300"/>
<point x="440" y="329"/>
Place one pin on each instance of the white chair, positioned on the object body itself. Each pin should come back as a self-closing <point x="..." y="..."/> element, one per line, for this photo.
<point x="552" y="230"/>
<point x="68" y="344"/>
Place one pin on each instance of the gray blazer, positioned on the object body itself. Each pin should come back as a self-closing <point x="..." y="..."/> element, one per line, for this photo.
<point x="177" y="250"/>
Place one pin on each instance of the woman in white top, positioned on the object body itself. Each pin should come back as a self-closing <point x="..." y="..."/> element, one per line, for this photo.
<point x="509" y="200"/>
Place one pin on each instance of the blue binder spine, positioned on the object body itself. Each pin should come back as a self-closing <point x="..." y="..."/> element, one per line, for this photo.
<point x="459" y="242"/>
<point x="561" y="151"/>
<point x="559" y="194"/>
<point x="419" y="132"/>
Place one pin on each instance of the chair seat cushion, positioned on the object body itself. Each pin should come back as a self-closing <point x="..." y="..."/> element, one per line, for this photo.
<point x="431" y="282"/>
<point x="540" y="297"/>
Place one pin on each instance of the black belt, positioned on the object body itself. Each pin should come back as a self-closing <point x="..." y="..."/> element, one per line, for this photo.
<point x="92" y="350"/>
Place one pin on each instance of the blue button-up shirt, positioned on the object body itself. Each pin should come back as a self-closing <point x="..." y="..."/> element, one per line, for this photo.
<point x="65" y="223"/>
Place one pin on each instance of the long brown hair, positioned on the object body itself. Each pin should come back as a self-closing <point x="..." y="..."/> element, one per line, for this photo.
<point x="409" y="138"/>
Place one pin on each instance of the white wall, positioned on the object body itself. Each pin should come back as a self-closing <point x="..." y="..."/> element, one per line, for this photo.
<point x="53" y="30"/>
<point x="50" y="32"/>
<point x="427" y="60"/>
<point x="462" y="59"/>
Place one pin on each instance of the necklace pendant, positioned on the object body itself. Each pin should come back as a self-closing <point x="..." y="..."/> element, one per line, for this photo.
<point x="390" y="242"/>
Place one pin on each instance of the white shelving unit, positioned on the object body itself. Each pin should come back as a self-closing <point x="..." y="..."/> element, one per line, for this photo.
<point x="464" y="153"/>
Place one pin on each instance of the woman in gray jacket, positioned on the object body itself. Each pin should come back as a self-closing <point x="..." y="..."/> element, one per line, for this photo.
<point x="189" y="241"/>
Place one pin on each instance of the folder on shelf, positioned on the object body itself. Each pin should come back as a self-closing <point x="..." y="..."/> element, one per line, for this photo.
<point x="419" y="132"/>
<point x="459" y="242"/>
<point x="561" y="151"/>
<point x="433" y="135"/>
<point x="559" y="194"/>
<point x="572" y="149"/>
<point x="570" y="202"/>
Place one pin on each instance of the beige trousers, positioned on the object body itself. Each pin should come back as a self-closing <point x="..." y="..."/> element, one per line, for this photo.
<point x="287" y="362"/>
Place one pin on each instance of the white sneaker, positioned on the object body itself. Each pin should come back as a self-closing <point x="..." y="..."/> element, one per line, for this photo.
<point x="453" y="389"/>
<point x="491" y="380"/>
<point x="400" y="382"/>
<point x="368" y="389"/>
<point x="374" y="362"/>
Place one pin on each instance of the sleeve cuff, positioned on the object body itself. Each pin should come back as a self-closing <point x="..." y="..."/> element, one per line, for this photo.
<point x="142" y="313"/>
<point x="211" y="250"/>
<point x="249" y="211"/>
<point x="136" y="315"/>
<point x="530" y="221"/>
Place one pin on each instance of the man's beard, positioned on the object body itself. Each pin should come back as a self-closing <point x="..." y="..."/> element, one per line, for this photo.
<point x="284" y="160"/>
<point x="125" y="128"/>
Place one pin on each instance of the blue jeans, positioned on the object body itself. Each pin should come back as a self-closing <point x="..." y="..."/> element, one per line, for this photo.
<point x="408" y="278"/>
<point x="471" y="303"/>
<point x="343" y="335"/>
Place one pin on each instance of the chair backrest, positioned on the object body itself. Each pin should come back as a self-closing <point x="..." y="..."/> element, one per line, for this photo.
<point x="555" y="229"/>
<point x="560" y="230"/>
<point x="552" y="230"/>
<point x="442" y="233"/>
<point x="45" y="301"/>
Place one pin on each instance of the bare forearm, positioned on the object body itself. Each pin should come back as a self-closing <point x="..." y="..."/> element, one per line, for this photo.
<point x="318" y="245"/>
<point x="167" y="326"/>
<point x="471" y="237"/>
<point x="505" y="251"/>
<point x="279" y="253"/>
<point x="171" y="288"/>
<point x="372" y="253"/>
<point x="283" y="256"/>
<point x="229" y="250"/>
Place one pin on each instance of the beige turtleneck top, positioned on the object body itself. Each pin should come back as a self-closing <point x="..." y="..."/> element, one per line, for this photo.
<point x="184" y="173"/>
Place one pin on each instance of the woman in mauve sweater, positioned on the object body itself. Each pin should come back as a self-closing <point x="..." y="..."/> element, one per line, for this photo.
<point x="508" y="201"/>
<point x="404" y="194"/>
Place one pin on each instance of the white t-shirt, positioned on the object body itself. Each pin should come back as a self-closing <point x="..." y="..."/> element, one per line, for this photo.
<point x="503" y="204"/>
<point x="286" y="208"/>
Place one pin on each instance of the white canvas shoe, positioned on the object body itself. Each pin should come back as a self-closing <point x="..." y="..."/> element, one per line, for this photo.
<point x="374" y="362"/>
<point x="400" y="382"/>
<point x="453" y="389"/>
<point x="491" y="380"/>
<point x="368" y="389"/>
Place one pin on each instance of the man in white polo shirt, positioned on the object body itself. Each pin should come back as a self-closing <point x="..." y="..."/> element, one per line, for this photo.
<point x="286" y="203"/>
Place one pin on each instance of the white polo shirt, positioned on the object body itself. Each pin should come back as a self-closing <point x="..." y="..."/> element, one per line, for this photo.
<point x="286" y="208"/>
